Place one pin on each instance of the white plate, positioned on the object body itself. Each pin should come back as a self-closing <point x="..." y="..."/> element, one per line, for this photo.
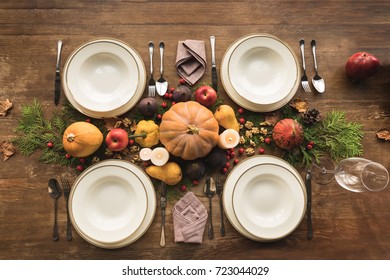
<point x="232" y="179"/>
<point x="148" y="213"/>
<point x="109" y="204"/>
<point x="263" y="70"/>
<point x="114" y="108"/>
<point x="268" y="201"/>
<point x="243" y="101"/>
<point x="102" y="76"/>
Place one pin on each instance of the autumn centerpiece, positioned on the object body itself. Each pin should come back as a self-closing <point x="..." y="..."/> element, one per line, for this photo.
<point x="189" y="130"/>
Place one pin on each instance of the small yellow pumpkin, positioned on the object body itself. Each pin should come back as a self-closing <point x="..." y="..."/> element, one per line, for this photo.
<point x="82" y="139"/>
<point x="170" y="173"/>
<point x="150" y="131"/>
<point x="189" y="130"/>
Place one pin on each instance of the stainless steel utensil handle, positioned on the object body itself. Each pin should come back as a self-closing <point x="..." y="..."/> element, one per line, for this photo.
<point x="162" y="46"/>
<point x="222" y="227"/>
<point x="59" y="48"/>
<point x="68" y="224"/>
<point x="302" y="47"/>
<point x="308" y="191"/>
<point x="162" y="238"/>
<point x="212" y="42"/>
<point x="151" y="46"/>
<point x="210" y="224"/>
<point x="55" y="227"/>
<point x="313" y="48"/>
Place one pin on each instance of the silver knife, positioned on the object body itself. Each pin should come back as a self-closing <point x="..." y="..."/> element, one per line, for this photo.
<point x="308" y="191"/>
<point x="163" y="206"/>
<point x="214" y="76"/>
<point x="57" y="85"/>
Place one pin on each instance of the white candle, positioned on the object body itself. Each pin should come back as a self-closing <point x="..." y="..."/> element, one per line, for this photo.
<point x="228" y="139"/>
<point x="145" y="154"/>
<point x="159" y="156"/>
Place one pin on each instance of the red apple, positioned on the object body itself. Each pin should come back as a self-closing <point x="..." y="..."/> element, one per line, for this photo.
<point x="117" y="139"/>
<point x="206" y="96"/>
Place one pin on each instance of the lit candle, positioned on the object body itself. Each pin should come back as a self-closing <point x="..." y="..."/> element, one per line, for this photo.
<point x="159" y="156"/>
<point x="145" y="154"/>
<point x="228" y="139"/>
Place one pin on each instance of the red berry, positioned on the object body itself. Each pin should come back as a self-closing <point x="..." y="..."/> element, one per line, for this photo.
<point x="172" y="89"/>
<point x="88" y="120"/>
<point x="232" y="154"/>
<point x="309" y="147"/>
<point x="228" y="152"/>
<point x="242" y="120"/>
<point x="170" y="96"/>
<point x="241" y="151"/>
<point x="195" y="182"/>
<point x="131" y="142"/>
<point x="164" y="104"/>
<point x="50" y="144"/>
<point x="267" y="140"/>
<point x="227" y="165"/>
<point x="261" y="151"/>
<point x="80" y="167"/>
<point x="311" y="143"/>
<point x="159" y="116"/>
<point x="231" y="150"/>
<point x="68" y="156"/>
<point x="224" y="170"/>
<point x="182" y="81"/>
<point x="173" y="103"/>
<point x="82" y="160"/>
<point x="241" y="111"/>
<point x="183" y="188"/>
<point x="228" y="157"/>
<point x="166" y="96"/>
<point x="236" y="161"/>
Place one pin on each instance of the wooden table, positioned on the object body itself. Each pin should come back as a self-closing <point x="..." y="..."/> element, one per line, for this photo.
<point x="346" y="225"/>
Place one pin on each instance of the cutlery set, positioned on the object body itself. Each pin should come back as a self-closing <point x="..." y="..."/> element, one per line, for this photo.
<point x="55" y="192"/>
<point x="317" y="81"/>
<point x="211" y="188"/>
<point x="161" y="85"/>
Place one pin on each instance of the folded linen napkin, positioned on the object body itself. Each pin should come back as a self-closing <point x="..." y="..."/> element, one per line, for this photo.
<point x="189" y="219"/>
<point x="191" y="60"/>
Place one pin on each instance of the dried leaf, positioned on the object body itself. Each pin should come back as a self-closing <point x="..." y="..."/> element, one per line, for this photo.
<point x="111" y="123"/>
<point x="383" y="134"/>
<point x="8" y="149"/>
<point x="270" y="120"/>
<point x="4" y="107"/>
<point x="299" y="104"/>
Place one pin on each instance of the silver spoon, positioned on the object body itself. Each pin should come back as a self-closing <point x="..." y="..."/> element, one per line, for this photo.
<point x="161" y="84"/>
<point x="318" y="82"/>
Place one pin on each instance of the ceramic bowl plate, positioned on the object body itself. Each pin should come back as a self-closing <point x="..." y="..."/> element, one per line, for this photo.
<point x="253" y="101"/>
<point x="263" y="70"/>
<point x="231" y="183"/>
<point x="268" y="201"/>
<point x="115" y="214"/>
<point x="104" y="78"/>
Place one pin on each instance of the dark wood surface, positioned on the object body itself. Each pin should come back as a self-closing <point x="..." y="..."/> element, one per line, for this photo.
<point x="346" y="225"/>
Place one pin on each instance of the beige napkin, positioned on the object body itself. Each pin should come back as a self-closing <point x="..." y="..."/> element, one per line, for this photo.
<point x="189" y="219"/>
<point x="191" y="60"/>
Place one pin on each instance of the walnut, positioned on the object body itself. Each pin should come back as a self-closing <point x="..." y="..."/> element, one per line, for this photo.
<point x="255" y="130"/>
<point x="242" y="140"/>
<point x="248" y="134"/>
<point x="250" y="152"/>
<point x="249" y="124"/>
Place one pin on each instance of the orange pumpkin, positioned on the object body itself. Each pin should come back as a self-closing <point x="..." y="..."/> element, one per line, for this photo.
<point x="189" y="130"/>
<point x="82" y="139"/>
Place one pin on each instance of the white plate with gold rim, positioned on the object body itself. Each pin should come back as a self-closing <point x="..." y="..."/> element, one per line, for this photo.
<point x="234" y="176"/>
<point x="243" y="100"/>
<point x="148" y="213"/>
<point x="91" y="93"/>
<point x="268" y="201"/>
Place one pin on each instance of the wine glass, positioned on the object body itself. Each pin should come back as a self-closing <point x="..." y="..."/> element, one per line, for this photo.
<point x="354" y="174"/>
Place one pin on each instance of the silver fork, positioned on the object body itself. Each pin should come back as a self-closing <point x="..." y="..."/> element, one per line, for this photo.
<point x="67" y="188"/>
<point x="219" y="189"/>
<point x="304" y="80"/>
<point x="152" y="83"/>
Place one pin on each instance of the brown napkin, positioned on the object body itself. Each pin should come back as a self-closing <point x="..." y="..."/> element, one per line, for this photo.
<point x="189" y="219"/>
<point x="191" y="60"/>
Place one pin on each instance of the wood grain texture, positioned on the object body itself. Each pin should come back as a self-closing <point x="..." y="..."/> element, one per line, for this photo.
<point x="346" y="225"/>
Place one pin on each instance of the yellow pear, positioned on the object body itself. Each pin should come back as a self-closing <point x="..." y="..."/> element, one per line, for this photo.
<point x="226" y="117"/>
<point x="170" y="173"/>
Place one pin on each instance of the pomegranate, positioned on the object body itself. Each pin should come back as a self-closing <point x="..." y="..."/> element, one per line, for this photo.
<point x="361" y="65"/>
<point x="287" y="134"/>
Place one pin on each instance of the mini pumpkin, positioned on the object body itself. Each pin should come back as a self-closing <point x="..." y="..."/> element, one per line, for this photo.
<point x="150" y="131"/>
<point x="81" y="139"/>
<point x="287" y="134"/>
<point x="189" y="130"/>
